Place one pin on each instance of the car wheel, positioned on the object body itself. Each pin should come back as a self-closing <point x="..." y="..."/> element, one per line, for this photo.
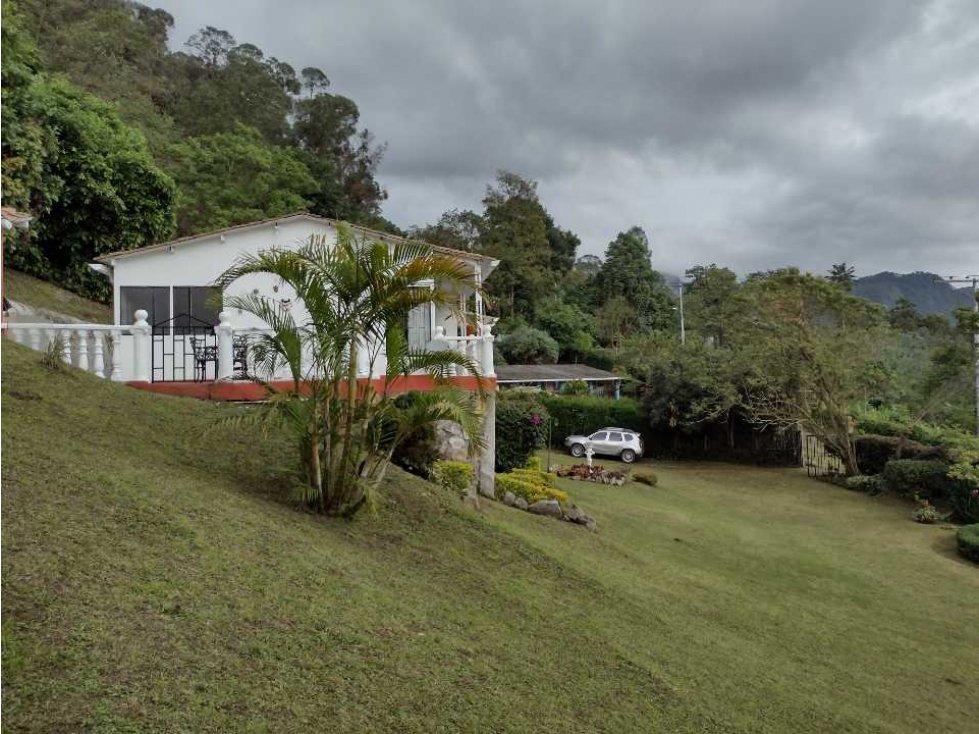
<point x="628" y="456"/>
<point x="577" y="450"/>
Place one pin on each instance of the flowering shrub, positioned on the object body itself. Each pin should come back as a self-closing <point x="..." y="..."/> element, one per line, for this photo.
<point x="456" y="476"/>
<point x="521" y="428"/>
<point x="596" y="473"/>
<point x="926" y="513"/>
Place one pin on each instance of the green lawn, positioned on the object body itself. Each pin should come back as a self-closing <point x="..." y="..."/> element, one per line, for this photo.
<point x="41" y="294"/>
<point x="153" y="580"/>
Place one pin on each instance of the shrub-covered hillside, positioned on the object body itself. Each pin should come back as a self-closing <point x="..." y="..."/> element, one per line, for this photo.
<point x="155" y="580"/>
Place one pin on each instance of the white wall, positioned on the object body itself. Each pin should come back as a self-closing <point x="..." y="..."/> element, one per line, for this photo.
<point x="201" y="263"/>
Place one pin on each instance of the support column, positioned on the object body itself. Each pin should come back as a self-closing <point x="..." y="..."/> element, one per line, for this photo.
<point x="486" y="465"/>
<point x="226" y="353"/>
<point x="142" y="347"/>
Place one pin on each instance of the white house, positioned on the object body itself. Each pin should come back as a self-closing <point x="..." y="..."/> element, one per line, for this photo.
<point x="173" y="283"/>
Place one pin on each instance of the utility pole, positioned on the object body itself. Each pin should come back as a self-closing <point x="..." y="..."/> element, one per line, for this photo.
<point x="974" y="281"/>
<point x="683" y="329"/>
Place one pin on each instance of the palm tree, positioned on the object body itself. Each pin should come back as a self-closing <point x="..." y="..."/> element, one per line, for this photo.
<point x="357" y="295"/>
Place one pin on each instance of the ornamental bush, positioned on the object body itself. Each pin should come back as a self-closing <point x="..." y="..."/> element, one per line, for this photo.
<point x="525" y="486"/>
<point x="527" y="345"/>
<point x="587" y="413"/>
<point x="926" y="479"/>
<point x="871" y="484"/>
<point x="645" y="477"/>
<point x="456" y="476"/>
<point x="967" y="539"/>
<point x="521" y="425"/>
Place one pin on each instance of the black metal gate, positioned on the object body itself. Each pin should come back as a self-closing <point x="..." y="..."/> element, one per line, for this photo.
<point x="820" y="462"/>
<point x="184" y="348"/>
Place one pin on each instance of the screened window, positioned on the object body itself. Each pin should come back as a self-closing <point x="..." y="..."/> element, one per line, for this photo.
<point x="155" y="300"/>
<point x="196" y="306"/>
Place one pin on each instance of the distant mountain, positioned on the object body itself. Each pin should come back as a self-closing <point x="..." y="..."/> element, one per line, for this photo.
<point x="921" y="289"/>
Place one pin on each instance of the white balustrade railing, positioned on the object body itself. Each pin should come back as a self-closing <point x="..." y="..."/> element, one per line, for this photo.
<point x="477" y="348"/>
<point x="126" y="352"/>
<point x="95" y="348"/>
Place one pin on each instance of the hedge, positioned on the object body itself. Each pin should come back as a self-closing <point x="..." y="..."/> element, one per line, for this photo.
<point x="521" y="425"/>
<point x="874" y="451"/>
<point x="871" y="484"/>
<point x="585" y="414"/>
<point x="926" y="479"/>
<point x="967" y="539"/>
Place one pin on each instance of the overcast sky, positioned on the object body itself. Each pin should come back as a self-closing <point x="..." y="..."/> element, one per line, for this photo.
<point x="751" y="133"/>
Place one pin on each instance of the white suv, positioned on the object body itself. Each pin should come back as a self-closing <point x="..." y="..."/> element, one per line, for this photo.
<point x="620" y="442"/>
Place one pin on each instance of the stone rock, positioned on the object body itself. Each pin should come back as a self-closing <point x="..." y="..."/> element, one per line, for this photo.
<point x="509" y="499"/>
<point x="451" y="441"/>
<point x="521" y="504"/>
<point x="549" y="508"/>
<point x="573" y="514"/>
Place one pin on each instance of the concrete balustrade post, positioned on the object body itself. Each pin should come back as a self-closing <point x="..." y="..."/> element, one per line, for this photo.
<point x="226" y="351"/>
<point x="98" y="354"/>
<point x="65" y="336"/>
<point x="488" y="367"/>
<point x="116" y="357"/>
<point x="82" y="335"/>
<point x="142" y="347"/>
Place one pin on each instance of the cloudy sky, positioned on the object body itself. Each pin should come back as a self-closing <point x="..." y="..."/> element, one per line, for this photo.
<point x="752" y="133"/>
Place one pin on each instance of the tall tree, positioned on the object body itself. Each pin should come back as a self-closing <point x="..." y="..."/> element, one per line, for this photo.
<point x="710" y="301"/>
<point x="627" y="271"/>
<point x="515" y="229"/>
<point x="811" y="348"/>
<point x="842" y="274"/>
<point x="325" y="129"/>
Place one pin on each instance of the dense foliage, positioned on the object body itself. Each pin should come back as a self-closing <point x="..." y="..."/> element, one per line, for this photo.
<point x="358" y="294"/>
<point x="521" y="428"/>
<point x="86" y="176"/>
<point x="110" y="138"/>
<point x="583" y="414"/>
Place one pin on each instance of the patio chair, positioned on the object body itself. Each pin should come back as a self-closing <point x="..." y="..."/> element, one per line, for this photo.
<point x="203" y="354"/>
<point x="240" y="357"/>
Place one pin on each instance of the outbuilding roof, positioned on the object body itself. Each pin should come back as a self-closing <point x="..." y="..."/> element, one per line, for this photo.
<point x="509" y="373"/>
<point x="190" y="239"/>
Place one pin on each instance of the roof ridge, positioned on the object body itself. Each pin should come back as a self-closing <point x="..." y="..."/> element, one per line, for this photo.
<point x="187" y="239"/>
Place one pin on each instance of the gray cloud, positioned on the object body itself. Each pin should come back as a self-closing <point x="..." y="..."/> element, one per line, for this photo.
<point x="754" y="134"/>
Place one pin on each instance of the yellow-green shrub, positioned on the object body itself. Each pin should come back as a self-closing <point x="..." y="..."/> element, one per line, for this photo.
<point x="456" y="476"/>
<point x="532" y="485"/>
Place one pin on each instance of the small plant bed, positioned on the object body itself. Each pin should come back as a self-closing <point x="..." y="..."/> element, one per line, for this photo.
<point x="598" y="474"/>
<point x="528" y="488"/>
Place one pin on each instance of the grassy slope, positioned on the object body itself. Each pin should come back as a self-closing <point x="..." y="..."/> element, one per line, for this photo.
<point x="152" y="581"/>
<point x="41" y="294"/>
